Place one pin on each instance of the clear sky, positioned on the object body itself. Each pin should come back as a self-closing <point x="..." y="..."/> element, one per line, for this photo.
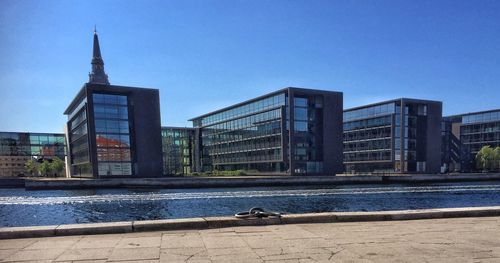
<point x="203" y="55"/>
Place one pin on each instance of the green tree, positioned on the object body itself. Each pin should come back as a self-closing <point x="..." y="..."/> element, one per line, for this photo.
<point x="485" y="158"/>
<point x="31" y="166"/>
<point x="45" y="168"/>
<point x="57" y="165"/>
<point x="496" y="158"/>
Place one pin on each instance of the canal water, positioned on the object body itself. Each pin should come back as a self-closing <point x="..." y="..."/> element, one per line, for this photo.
<point x="19" y="207"/>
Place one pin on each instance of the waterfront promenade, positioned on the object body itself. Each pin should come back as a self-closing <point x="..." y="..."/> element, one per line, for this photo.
<point x="430" y="240"/>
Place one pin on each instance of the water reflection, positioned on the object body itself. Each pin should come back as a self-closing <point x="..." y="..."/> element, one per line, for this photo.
<point x="23" y="208"/>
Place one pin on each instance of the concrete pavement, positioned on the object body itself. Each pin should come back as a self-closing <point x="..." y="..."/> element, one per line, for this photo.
<point x="430" y="240"/>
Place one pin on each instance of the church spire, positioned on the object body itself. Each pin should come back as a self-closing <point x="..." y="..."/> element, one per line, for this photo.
<point x="97" y="76"/>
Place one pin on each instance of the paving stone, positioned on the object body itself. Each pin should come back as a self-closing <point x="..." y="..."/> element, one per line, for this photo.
<point x="35" y="255"/>
<point x="97" y="242"/>
<point x="183" y="254"/>
<point x="17" y="243"/>
<point x="223" y="242"/>
<point x="132" y="242"/>
<point x="182" y="241"/>
<point x="433" y="240"/>
<point x="85" y="254"/>
<point x="145" y="253"/>
<point x="7" y="252"/>
<point x="54" y="242"/>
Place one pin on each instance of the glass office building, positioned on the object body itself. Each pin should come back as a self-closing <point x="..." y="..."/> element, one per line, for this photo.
<point x="113" y="131"/>
<point x="178" y="150"/>
<point x="290" y="131"/>
<point x="16" y="148"/>
<point x="398" y="136"/>
<point x="471" y="131"/>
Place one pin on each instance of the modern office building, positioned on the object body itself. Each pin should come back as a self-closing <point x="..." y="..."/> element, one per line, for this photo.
<point x="287" y="132"/>
<point x="113" y="131"/>
<point x="396" y="136"/>
<point x="451" y="147"/>
<point x="16" y="148"/>
<point x="178" y="146"/>
<point x="473" y="131"/>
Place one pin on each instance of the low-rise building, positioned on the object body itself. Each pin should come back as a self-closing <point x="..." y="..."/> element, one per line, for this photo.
<point x="287" y="132"/>
<point x="396" y="136"/>
<point x="468" y="133"/>
<point x="16" y="148"/>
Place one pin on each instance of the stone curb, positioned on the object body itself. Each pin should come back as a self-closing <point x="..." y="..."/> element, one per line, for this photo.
<point x="220" y="222"/>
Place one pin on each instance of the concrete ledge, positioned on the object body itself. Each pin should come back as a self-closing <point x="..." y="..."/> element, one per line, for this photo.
<point x="94" y="228"/>
<point x="309" y="218"/>
<point x="220" y="222"/>
<point x="170" y="224"/>
<point x="27" y="232"/>
<point x="361" y="216"/>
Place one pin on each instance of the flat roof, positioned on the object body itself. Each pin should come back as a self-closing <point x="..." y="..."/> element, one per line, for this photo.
<point x="101" y="87"/>
<point x="471" y="113"/>
<point x="262" y="97"/>
<point x="390" y="101"/>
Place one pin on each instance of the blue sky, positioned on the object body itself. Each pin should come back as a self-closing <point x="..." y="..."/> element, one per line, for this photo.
<point x="203" y="55"/>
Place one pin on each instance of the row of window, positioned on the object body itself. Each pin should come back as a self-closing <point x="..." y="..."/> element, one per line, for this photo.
<point x="265" y="129"/>
<point x="370" y="112"/>
<point x="14" y="138"/>
<point x="111" y="111"/>
<point x="51" y="150"/>
<point x="384" y="144"/>
<point x="114" y="168"/>
<point x="242" y="123"/>
<point x="266" y="103"/>
<point x="368" y="134"/>
<point x="249" y="145"/>
<point x="480" y="128"/>
<point x="113" y="155"/>
<point x="245" y="157"/>
<point x="368" y="123"/>
<point x="109" y="99"/>
<point x="481" y="117"/>
<point x="384" y="155"/>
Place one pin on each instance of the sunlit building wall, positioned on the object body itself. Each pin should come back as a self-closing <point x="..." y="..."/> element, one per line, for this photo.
<point x="397" y="136"/>
<point x="290" y="131"/>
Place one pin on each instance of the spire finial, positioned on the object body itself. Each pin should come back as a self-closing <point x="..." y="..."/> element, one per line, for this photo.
<point x="97" y="75"/>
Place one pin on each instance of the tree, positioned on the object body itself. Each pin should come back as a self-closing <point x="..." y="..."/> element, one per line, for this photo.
<point x="57" y="165"/>
<point x="31" y="166"/>
<point x="45" y="168"/>
<point x="496" y="158"/>
<point x="485" y="158"/>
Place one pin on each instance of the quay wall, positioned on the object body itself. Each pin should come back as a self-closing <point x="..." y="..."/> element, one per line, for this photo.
<point x="248" y="181"/>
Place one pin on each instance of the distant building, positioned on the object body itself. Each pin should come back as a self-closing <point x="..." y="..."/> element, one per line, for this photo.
<point x="113" y="131"/>
<point x="178" y="146"/>
<point x="287" y="132"/>
<point x="396" y="136"/>
<point x="471" y="131"/>
<point x="16" y="148"/>
<point x="451" y="147"/>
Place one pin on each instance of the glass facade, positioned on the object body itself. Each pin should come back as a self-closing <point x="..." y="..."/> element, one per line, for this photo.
<point x="178" y="146"/>
<point x="383" y="138"/>
<point x="493" y="116"/>
<point x="112" y="129"/>
<point x="78" y="139"/>
<point x="478" y="130"/>
<point x="248" y="137"/>
<point x="257" y="136"/>
<point x="368" y="138"/>
<point x="17" y="148"/>
<point x="370" y="112"/>
<point x="307" y="133"/>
